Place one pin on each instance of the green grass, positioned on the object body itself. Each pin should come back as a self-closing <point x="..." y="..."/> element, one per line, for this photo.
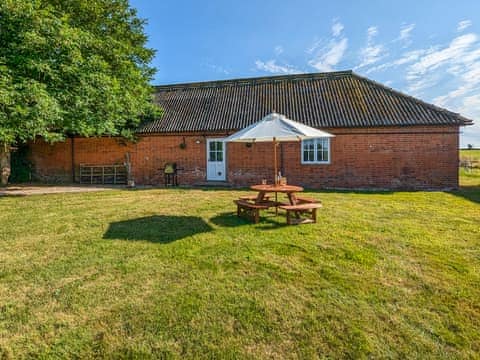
<point x="470" y="177"/>
<point x="174" y="274"/>
<point x="473" y="154"/>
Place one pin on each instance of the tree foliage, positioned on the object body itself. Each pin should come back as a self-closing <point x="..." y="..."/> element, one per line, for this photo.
<point x="72" y="67"/>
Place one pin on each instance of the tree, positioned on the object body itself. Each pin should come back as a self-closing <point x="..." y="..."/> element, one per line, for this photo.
<point x="470" y="146"/>
<point x="71" y="67"/>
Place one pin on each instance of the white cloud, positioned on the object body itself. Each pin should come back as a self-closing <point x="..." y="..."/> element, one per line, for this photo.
<point x="272" y="67"/>
<point x="326" y="54"/>
<point x="455" y="51"/>
<point x="327" y="57"/>
<point x="416" y="85"/>
<point x="471" y="108"/>
<point x="405" y="31"/>
<point x="457" y="58"/>
<point x="316" y="44"/>
<point x="217" y="68"/>
<point x="406" y="58"/>
<point x="372" y="52"/>
<point x="469" y="81"/>
<point x="446" y="74"/>
<point x="337" y="28"/>
<point x="462" y="25"/>
<point x="372" y="31"/>
<point x="456" y="67"/>
<point x="405" y="34"/>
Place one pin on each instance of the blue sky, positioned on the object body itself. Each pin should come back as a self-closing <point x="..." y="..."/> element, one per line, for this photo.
<point x="428" y="49"/>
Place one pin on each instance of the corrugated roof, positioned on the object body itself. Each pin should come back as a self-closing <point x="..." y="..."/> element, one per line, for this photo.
<point x="321" y="100"/>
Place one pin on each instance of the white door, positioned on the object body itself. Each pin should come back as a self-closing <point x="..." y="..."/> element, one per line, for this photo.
<point x="216" y="160"/>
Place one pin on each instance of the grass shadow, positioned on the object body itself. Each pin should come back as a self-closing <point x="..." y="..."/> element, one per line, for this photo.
<point x="355" y="191"/>
<point x="6" y="195"/>
<point x="471" y="193"/>
<point x="468" y="192"/>
<point x="230" y="219"/>
<point x="161" y="229"/>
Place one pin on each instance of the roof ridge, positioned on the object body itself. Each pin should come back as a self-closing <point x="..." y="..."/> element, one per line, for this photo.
<point x="416" y="100"/>
<point x="255" y="80"/>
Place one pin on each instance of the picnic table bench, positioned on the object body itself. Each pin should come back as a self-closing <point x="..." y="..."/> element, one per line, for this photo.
<point x="249" y="206"/>
<point x="252" y="197"/>
<point x="309" y="208"/>
<point x="249" y="210"/>
<point x="306" y="200"/>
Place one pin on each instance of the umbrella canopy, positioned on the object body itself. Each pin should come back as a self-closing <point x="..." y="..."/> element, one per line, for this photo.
<point x="276" y="127"/>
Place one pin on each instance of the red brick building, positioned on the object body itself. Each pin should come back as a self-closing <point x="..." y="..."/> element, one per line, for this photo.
<point x="383" y="138"/>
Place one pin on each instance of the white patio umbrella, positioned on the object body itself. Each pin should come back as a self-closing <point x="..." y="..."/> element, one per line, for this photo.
<point x="275" y="128"/>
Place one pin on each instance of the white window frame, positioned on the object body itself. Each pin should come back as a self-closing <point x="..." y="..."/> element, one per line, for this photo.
<point x="315" y="152"/>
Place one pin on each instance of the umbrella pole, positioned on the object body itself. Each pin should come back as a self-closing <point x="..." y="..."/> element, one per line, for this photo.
<point x="275" y="160"/>
<point x="275" y="177"/>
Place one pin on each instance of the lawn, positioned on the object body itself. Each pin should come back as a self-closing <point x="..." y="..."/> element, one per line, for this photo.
<point x="174" y="274"/>
<point x="470" y="177"/>
<point x="473" y="154"/>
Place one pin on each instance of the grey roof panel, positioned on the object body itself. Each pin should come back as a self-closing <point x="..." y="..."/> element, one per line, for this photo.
<point x="321" y="100"/>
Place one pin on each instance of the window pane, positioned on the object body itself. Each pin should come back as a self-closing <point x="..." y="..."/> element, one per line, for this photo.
<point x="308" y="145"/>
<point x="308" y="150"/>
<point x="212" y="146"/>
<point x="320" y="155"/>
<point x="319" y="144"/>
<point x="322" y="149"/>
<point x="219" y="156"/>
<point x="212" y="156"/>
<point x="220" y="146"/>
<point x="305" y="156"/>
<point x="319" y="150"/>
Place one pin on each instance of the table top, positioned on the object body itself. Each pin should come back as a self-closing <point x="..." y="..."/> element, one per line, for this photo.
<point x="276" y="188"/>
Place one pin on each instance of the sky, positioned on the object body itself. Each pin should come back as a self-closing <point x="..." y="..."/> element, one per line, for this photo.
<point x="427" y="49"/>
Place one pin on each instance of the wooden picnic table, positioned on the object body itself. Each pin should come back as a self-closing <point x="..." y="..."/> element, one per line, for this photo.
<point x="263" y="190"/>
<point x="250" y="206"/>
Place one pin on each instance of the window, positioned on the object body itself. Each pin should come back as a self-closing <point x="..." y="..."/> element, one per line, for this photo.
<point x="215" y="152"/>
<point x="316" y="151"/>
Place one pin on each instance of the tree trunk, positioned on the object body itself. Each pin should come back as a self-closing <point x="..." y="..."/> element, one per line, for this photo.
<point x="4" y="164"/>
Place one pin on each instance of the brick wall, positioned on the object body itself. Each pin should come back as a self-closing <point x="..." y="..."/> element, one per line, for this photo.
<point x="407" y="157"/>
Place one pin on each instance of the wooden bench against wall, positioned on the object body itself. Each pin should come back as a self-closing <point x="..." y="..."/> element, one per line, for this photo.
<point x="103" y="174"/>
